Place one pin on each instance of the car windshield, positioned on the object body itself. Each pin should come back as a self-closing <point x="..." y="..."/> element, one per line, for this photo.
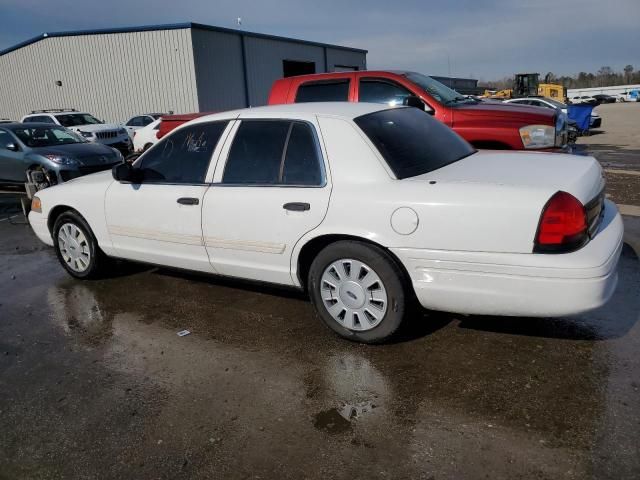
<point x="437" y="90"/>
<point x="412" y="142"/>
<point x="75" y="119"/>
<point x="35" y="137"/>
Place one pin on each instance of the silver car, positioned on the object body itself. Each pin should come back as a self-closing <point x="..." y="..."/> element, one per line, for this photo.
<point x="56" y="151"/>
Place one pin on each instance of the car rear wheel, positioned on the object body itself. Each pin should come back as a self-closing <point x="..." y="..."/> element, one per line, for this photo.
<point x="357" y="290"/>
<point x="76" y="247"/>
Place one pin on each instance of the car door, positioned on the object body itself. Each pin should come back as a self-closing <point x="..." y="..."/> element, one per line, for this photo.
<point x="12" y="166"/>
<point x="158" y="220"/>
<point x="271" y="189"/>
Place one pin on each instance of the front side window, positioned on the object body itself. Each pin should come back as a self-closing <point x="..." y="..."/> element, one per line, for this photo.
<point x="5" y="139"/>
<point x="182" y="157"/>
<point x="34" y="137"/>
<point x="380" y="91"/>
<point x="76" y="119"/>
<point x="274" y="152"/>
<point x="325" y="91"/>
<point x="412" y="142"/>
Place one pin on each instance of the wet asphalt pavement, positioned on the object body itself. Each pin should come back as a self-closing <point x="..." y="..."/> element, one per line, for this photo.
<point x="95" y="383"/>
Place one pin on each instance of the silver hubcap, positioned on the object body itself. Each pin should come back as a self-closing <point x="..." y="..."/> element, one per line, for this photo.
<point x="353" y="294"/>
<point x="74" y="247"/>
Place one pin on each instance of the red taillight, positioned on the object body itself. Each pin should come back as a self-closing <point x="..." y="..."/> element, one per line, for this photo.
<point x="563" y="225"/>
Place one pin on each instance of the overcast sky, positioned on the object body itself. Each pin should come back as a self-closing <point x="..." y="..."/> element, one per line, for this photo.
<point x="482" y="39"/>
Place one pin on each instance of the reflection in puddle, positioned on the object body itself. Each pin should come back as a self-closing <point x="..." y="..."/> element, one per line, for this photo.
<point x="75" y="309"/>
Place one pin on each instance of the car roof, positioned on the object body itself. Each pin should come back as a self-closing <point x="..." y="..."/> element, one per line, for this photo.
<point x="346" y="110"/>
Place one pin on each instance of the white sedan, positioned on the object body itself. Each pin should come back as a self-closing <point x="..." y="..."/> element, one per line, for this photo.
<point x="364" y="206"/>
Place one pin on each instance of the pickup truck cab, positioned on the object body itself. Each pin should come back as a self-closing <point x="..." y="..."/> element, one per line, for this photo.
<point x="488" y="125"/>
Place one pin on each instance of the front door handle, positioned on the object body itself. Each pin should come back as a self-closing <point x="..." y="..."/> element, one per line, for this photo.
<point x="297" y="206"/>
<point x="188" y="201"/>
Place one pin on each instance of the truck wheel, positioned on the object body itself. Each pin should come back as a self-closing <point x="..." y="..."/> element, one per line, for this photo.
<point x="357" y="290"/>
<point x="76" y="247"/>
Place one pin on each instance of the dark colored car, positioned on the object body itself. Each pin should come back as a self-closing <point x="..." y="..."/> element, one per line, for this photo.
<point x="58" y="152"/>
<point x="603" y="98"/>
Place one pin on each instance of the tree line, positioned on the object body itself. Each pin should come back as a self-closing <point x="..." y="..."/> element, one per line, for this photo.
<point x="604" y="77"/>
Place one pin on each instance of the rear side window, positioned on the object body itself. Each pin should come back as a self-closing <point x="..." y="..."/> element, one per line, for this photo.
<point x="301" y="161"/>
<point x="412" y="142"/>
<point x="274" y="152"/>
<point x="182" y="157"/>
<point x="41" y="118"/>
<point x="326" y="91"/>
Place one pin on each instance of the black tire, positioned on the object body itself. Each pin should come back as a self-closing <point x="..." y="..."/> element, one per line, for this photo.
<point x="147" y="147"/>
<point x="387" y="270"/>
<point x="98" y="265"/>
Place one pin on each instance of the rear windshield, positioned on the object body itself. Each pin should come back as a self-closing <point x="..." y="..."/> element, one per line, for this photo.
<point x="412" y="142"/>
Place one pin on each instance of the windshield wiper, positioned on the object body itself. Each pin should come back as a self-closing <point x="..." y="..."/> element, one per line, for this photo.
<point x="460" y="99"/>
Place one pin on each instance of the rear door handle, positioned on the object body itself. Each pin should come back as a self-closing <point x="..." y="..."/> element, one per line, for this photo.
<point x="188" y="201"/>
<point x="297" y="206"/>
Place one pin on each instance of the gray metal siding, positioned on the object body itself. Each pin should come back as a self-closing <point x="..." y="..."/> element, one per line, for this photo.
<point x="345" y="58"/>
<point x="113" y="76"/>
<point x="219" y="70"/>
<point x="264" y="63"/>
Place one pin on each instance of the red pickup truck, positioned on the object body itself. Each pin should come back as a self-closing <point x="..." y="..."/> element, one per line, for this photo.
<point x="484" y="124"/>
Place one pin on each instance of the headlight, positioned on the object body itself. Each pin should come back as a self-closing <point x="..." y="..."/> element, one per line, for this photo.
<point x="86" y="134"/>
<point x="61" y="160"/>
<point x="538" y="136"/>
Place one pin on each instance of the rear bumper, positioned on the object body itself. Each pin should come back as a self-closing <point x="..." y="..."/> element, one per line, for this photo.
<point x="538" y="285"/>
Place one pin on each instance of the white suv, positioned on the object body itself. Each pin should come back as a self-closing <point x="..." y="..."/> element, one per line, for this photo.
<point x="94" y="130"/>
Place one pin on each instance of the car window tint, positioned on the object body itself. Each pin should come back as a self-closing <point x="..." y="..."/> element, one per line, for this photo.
<point x="132" y="122"/>
<point x="301" y="162"/>
<point x="412" y="142"/>
<point x="5" y="139"/>
<point x="332" y="91"/>
<point x="183" y="156"/>
<point x="144" y="121"/>
<point x="376" y="91"/>
<point x="256" y="153"/>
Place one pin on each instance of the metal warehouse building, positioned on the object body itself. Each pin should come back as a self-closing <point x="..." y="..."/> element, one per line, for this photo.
<point x="189" y="67"/>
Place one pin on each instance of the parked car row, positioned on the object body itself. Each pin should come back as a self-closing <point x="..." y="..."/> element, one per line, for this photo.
<point x="629" y="96"/>
<point x="594" y="122"/>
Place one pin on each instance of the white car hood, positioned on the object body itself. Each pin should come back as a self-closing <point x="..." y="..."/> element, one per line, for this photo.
<point x="580" y="176"/>
<point x="101" y="127"/>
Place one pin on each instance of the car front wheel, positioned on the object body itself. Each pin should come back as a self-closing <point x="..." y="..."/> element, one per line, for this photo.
<point x="76" y="247"/>
<point x="358" y="291"/>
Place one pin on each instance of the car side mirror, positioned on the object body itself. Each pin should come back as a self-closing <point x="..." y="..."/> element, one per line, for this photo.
<point x="125" y="173"/>
<point x="12" y="147"/>
<point x="414" y="101"/>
